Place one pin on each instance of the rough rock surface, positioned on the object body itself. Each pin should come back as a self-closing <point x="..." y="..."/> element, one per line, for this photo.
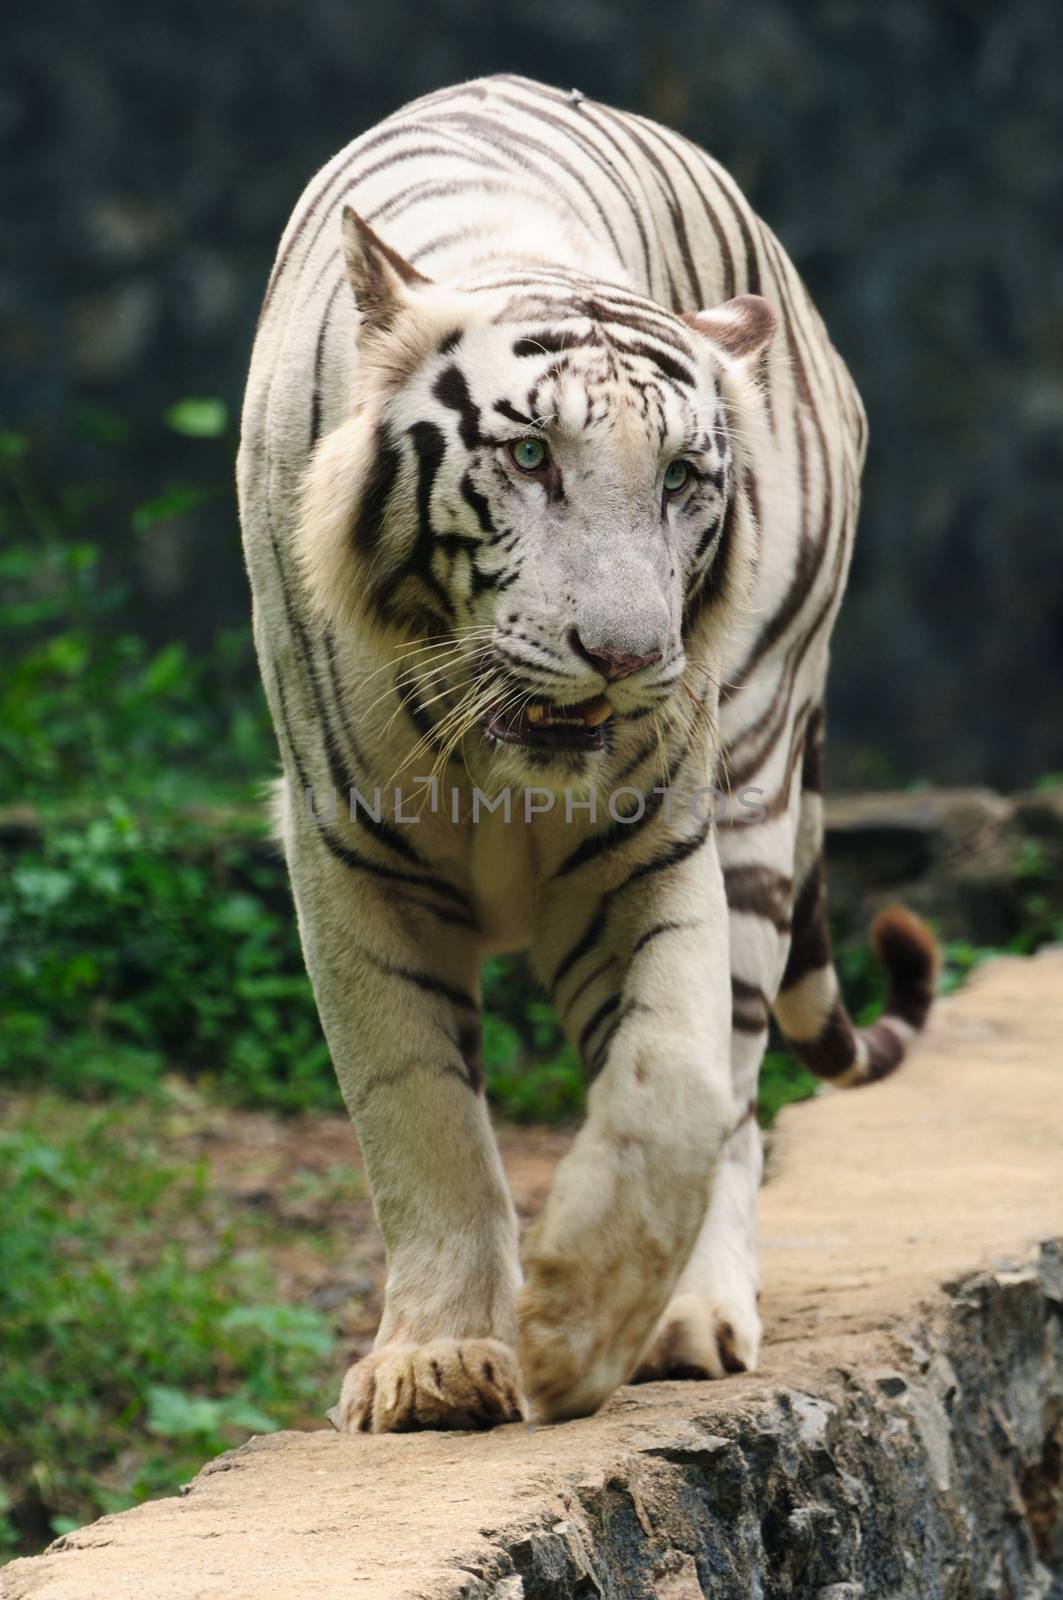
<point x="983" y="867"/>
<point x="903" y="1439"/>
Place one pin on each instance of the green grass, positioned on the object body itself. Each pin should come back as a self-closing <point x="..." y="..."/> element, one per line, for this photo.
<point x="140" y="1335"/>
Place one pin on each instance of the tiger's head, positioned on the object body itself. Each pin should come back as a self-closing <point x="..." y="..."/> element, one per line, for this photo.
<point x="540" y="498"/>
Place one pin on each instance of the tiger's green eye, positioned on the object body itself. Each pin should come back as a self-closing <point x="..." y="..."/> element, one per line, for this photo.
<point x="676" y="474"/>
<point x="528" y="454"/>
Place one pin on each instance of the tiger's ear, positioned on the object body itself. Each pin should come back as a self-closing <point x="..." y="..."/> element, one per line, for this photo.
<point x="379" y="276"/>
<point x="741" y="329"/>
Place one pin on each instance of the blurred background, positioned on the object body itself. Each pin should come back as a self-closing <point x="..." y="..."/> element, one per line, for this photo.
<point x="185" y="1253"/>
<point x="909" y="156"/>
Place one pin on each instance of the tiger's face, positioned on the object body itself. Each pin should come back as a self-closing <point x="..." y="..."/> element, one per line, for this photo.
<point x="546" y="477"/>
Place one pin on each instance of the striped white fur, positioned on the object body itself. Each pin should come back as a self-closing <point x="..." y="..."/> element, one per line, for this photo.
<point x="518" y="262"/>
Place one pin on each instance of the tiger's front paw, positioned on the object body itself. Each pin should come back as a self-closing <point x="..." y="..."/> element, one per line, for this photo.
<point x="446" y="1383"/>
<point x="599" y="1267"/>
<point x="581" y="1330"/>
<point x="700" y="1337"/>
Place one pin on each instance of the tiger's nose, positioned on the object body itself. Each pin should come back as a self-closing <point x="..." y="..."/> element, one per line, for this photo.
<point x="612" y="664"/>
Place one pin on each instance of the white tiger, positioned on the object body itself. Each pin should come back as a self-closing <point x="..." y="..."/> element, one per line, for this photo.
<point x="551" y="496"/>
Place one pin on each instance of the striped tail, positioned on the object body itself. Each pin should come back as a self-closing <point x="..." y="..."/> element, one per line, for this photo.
<point x="812" y="1015"/>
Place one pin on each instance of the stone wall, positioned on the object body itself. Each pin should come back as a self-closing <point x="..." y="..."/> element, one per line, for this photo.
<point x="985" y="868"/>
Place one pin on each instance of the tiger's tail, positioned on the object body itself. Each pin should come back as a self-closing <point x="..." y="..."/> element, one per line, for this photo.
<point x="811" y="1013"/>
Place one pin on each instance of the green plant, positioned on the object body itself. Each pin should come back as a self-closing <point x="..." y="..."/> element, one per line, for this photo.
<point x="136" y="943"/>
<point x="532" y="1073"/>
<point x="86" y="708"/>
<point x="138" y="1336"/>
<point x="782" y="1081"/>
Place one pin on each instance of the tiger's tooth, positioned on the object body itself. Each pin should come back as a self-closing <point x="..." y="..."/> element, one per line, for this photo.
<point x="535" y="713"/>
<point x="596" y="713"/>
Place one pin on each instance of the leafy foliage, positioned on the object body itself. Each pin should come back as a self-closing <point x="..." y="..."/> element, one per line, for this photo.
<point x="138" y="1334"/>
<point x="532" y="1074"/>
<point x="199" y="419"/>
<point x="136" y="943"/>
<point x="88" y="709"/>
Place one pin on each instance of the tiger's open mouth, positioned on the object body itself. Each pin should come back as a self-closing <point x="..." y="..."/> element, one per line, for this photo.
<point x="543" y="726"/>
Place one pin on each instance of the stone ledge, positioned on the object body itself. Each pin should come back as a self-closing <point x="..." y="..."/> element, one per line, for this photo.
<point x="903" y="1440"/>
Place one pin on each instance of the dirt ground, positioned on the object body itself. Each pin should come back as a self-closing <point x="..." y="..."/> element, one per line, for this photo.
<point x="306" y="1173"/>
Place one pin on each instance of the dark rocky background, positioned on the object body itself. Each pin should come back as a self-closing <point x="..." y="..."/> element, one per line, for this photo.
<point x="910" y="156"/>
